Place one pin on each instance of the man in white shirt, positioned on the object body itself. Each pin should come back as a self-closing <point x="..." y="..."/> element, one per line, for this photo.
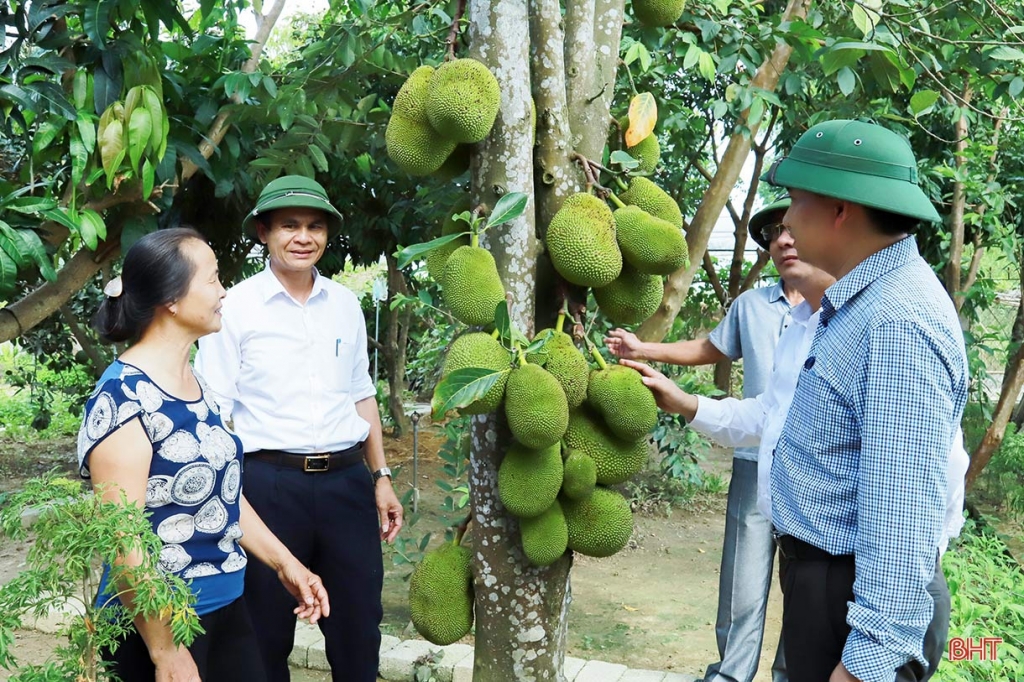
<point x="759" y="421"/>
<point x="289" y="367"/>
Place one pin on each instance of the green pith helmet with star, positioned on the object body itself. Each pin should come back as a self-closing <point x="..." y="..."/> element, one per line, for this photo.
<point x="859" y="162"/>
<point x="763" y="218"/>
<point x="292" y="191"/>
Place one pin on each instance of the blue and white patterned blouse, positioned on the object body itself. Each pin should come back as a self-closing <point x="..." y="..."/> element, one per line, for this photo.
<point x="195" y="479"/>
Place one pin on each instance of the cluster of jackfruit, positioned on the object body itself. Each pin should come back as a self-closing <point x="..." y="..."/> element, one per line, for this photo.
<point x="438" y="113"/>
<point x="621" y="255"/>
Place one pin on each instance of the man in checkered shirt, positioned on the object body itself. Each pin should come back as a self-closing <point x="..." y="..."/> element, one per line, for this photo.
<point x="859" y="473"/>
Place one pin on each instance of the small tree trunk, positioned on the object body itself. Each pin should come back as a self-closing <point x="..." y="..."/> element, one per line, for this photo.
<point x="395" y="347"/>
<point x="723" y="376"/>
<point x="956" y="214"/>
<point x="97" y="361"/>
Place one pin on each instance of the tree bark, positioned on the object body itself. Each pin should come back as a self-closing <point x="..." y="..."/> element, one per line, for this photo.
<point x="956" y="214"/>
<point x="678" y="283"/>
<point x="97" y="362"/>
<point x="723" y="376"/>
<point x="395" y="348"/>
<point x="521" y="611"/>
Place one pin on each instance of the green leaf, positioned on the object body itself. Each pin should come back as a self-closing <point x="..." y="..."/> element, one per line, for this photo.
<point x="47" y="131"/>
<point x="140" y="128"/>
<point x="834" y="60"/>
<point x="31" y="205"/>
<point x="847" y="80"/>
<point x="923" y="101"/>
<point x="865" y="16"/>
<point x="37" y="252"/>
<point x="1016" y="86"/>
<point x="645" y="58"/>
<point x="12" y="244"/>
<point x="508" y="208"/>
<point x="91" y="228"/>
<point x="97" y="21"/>
<point x="136" y="228"/>
<point x="503" y="322"/>
<point x="1007" y="54"/>
<point x="461" y="388"/>
<point x="158" y="115"/>
<point x="55" y="99"/>
<point x="408" y="254"/>
<point x="706" y="66"/>
<point x="623" y="159"/>
<point x="318" y="158"/>
<point x="692" y="55"/>
<point x="86" y="131"/>
<point x="8" y="274"/>
<point x="148" y="178"/>
<point x="61" y="217"/>
<point x="19" y="96"/>
<point x="79" y="159"/>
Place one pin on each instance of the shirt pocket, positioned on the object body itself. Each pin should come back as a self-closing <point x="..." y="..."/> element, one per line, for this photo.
<point x="341" y="357"/>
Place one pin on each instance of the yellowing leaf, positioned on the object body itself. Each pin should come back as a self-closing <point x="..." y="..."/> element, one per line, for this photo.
<point x="643" y="114"/>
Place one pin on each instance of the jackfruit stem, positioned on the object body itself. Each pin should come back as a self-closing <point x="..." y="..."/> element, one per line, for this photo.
<point x="597" y="357"/>
<point x="495" y="334"/>
<point x="460" y="531"/>
<point x="522" y="357"/>
<point x="560" y="321"/>
<point x="622" y="185"/>
<point x="616" y="200"/>
<point x="474" y="241"/>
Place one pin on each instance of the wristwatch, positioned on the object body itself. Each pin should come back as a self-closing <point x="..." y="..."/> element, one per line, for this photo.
<point x="381" y="473"/>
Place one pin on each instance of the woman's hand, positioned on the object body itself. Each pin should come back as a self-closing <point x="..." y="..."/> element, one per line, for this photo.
<point x="176" y="665"/>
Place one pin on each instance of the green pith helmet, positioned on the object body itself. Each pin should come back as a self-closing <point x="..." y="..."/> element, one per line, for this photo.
<point x="763" y="218"/>
<point x="292" y="191"/>
<point x="855" y="161"/>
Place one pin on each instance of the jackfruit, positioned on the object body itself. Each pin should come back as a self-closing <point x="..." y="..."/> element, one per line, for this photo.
<point x="437" y="258"/>
<point x="565" y="362"/>
<point x="616" y="460"/>
<point x="658" y="13"/>
<point x="463" y="100"/>
<point x="411" y="100"/>
<point x="581" y="242"/>
<point x="631" y="298"/>
<point x="415" y="147"/>
<point x="535" y="407"/>
<point x="479" y="349"/>
<point x="529" y="480"/>
<point x="618" y="394"/>
<point x="650" y="245"/>
<point x="648" y="152"/>
<point x="545" y="537"/>
<point x="653" y="199"/>
<point x="472" y="288"/>
<point x="579" y="476"/>
<point x="599" y="525"/>
<point x="441" y="594"/>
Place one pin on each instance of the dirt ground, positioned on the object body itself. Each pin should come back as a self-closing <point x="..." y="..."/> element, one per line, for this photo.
<point x="650" y="606"/>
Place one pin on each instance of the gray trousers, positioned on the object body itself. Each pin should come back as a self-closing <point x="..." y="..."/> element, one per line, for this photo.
<point x="746" y="576"/>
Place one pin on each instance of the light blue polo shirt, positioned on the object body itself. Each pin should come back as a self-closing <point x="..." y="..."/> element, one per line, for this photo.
<point x="750" y="330"/>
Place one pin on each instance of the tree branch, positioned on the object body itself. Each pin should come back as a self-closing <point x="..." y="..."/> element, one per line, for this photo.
<point x="755" y="271"/>
<point x="219" y="127"/>
<point x="956" y="226"/>
<point x="453" y="34"/>
<point x="716" y="283"/>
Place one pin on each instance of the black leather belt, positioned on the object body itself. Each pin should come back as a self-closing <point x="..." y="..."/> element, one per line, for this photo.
<point x="796" y="549"/>
<point x="312" y="464"/>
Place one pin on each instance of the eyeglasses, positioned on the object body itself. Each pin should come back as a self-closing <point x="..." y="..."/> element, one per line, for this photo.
<point x="772" y="232"/>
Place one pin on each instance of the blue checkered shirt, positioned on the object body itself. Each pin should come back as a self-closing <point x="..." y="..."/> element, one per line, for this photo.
<point x="861" y="465"/>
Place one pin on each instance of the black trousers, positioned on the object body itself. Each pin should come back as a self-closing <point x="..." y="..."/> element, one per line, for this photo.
<point x="224" y="652"/>
<point x="329" y="522"/>
<point x="815" y="593"/>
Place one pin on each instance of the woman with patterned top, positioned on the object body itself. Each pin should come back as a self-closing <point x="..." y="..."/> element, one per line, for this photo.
<point x="151" y="432"/>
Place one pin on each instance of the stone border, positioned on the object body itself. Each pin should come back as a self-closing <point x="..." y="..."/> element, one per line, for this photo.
<point x="398" y="659"/>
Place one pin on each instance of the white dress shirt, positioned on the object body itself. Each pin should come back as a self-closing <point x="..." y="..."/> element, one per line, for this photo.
<point x="759" y="421"/>
<point x="289" y="374"/>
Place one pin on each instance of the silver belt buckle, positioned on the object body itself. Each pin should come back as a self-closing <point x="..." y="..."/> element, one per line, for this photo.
<point x="316" y="463"/>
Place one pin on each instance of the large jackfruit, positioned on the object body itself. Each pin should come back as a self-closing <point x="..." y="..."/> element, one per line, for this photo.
<point x="616" y="460"/>
<point x="631" y="298"/>
<point x="579" y="475"/>
<point x="648" y="152"/>
<point x="565" y="362"/>
<point x="650" y="245"/>
<point x="599" y="525"/>
<point x="415" y="147"/>
<point x="472" y="288"/>
<point x="657" y="13"/>
<point x="545" y="537"/>
<point x="437" y="258"/>
<point x="479" y="349"/>
<point x="529" y="480"/>
<point x="411" y="100"/>
<point x="618" y="394"/>
<point x="535" y="407"/>
<point x="456" y="164"/>
<point x="653" y="199"/>
<point x="463" y="100"/>
<point x="581" y="242"/>
<point x="441" y="594"/>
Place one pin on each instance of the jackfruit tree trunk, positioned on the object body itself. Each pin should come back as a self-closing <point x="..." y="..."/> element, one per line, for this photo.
<point x="395" y="346"/>
<point x="678" y="283"/>
<point x="521" y="611"/>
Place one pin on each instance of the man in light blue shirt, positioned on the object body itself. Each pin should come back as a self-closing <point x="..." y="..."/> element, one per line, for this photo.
<point x="859" y="475"/>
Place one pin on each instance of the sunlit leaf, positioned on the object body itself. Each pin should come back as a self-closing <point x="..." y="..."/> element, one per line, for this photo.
<point x="461" y="388"/>
<point x="508" y="208"/>
<point x="643" y="115"/>
<point x="408" y="254"/>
